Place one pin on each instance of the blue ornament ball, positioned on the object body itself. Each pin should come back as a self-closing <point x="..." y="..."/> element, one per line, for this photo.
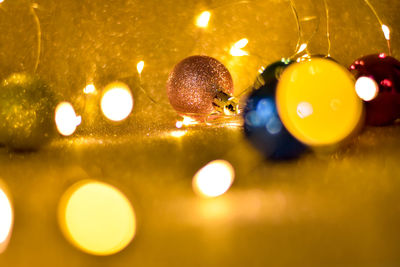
<point x="262" y="125"/>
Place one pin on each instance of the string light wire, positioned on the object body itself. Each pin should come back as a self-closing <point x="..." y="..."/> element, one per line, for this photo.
<point x="328" y="34"/>
<point x="384" y="27"/>
<point x="38" y="34"/>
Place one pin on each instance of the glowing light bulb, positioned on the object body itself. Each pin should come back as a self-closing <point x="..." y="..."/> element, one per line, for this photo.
<point x="179" y="124"/>
<point x="386" y="31"/>
<point x="203" y="19"/>
<point x="6" y="220"/>
<point x="117" y="101"/>
<point x="140" y="67"/>
<point x="302" y="48"/>
<point x="97" y="218"/>
<point x="66" y="119"/>
<point x="367" y="89"/>
<point x="214" y="179"/>
<point x="89" y="89"/>
<point x="237" y="48"/>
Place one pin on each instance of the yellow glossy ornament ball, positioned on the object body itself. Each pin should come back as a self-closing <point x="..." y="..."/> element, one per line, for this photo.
<point x="317" y="102"/>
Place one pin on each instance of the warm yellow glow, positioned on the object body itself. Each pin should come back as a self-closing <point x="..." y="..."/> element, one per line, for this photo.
<point x="317" y="102"/>
<point x="302" y="48"/>
<point x="1" y="1"/>
<point x="236" y="49"/>
<point x="214" y="179"/>
<point x="90" y="89"/>
<point x="97" y="218"/>
<point x="386" y="31"/>
<point x="185" y="122"/>
<point x="179" y="124"/>
<point x="367" y="89"/>
<point x="6" y="219"/>
<point x="66" y="119"/>
<point x="178" y="134"/>
<point x="203" y="19"/>
<point x="140" y="67"/>
<point x="117" y="101"/>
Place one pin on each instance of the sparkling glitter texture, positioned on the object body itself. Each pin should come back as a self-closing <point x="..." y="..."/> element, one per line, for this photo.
<point x="26" y="112"/>
<point x="195" y="81"/>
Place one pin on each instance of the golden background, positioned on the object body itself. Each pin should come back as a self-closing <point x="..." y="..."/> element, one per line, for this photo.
<point x="338" y="209"/>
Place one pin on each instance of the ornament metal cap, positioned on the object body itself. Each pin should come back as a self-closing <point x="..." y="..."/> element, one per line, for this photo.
<point x="225" y="103"/>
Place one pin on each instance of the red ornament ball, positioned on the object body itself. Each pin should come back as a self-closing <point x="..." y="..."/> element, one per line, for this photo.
<point x="378" y="84"/>
<point x="195" y="81"/>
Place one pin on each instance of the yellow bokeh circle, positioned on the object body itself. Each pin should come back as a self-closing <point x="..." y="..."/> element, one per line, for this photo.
<point x="97" y="218"/>
<point x="317" y="102"/>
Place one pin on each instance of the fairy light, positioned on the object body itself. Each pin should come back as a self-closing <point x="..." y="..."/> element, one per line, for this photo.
<point x="89" y="89"/>
<point x="214" y="179"/>
<point x="302" y="48"/>
<point x="237" y="48"/>
<point x="386" y="32"/>
<point x="179" y="124"/>
<point x="385" y="28"/>
<point x="66" y="119"/>
<point x="367" y="89"/>
<point x="117" y="101"/>
<point x="140" y="67"/>
<point x="97" y="218"/>
<point x="186" y="121"/>
<point x="203" y="19"/>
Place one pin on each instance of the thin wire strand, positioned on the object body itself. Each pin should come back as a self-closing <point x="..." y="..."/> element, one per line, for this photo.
<point x="301" y="32"/>
<point x="380" y="22"/>
<point x="298" y="24"/>
<point x="328" y="33"/>
<point x="39" y="36"/>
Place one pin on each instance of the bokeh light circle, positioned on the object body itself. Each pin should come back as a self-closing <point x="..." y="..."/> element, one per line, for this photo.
<point x="117" y="101"/>
<point x="66" y="119"/>
<point x="214" y="179"/>
<point x="97" y="218"/>
<point x="367" y="88"/>
<point x="6" y="219"/>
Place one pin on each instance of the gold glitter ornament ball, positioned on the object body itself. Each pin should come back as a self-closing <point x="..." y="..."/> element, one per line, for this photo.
<point x="26" y="112"/>
<point x="194" y="82"/>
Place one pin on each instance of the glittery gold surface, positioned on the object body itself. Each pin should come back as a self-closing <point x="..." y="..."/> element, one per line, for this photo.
<point x="332" y="210"/>
<point x="195" y="81"/>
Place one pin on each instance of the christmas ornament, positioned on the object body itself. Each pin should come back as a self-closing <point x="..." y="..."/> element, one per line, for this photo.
<point x="262" y="125"/>
<point x="200" y="85"/>
<point x="317" y="102"/>
<point x="26" y="112"/>
<point x="378" y="84"/>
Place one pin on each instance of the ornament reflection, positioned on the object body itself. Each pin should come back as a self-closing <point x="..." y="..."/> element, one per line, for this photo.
<point x="367" y="89"/>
